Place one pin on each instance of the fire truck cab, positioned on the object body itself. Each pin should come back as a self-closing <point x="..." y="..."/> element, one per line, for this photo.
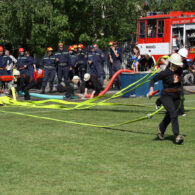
<point x="163" y="34"/>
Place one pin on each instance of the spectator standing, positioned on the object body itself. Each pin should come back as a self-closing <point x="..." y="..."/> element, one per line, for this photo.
<point x="12" y="64"/>
<point x="135" y="58"/>
<point x="5" y="61"/>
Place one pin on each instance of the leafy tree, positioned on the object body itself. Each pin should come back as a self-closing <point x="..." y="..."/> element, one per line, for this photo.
<point x="36" y="24"/>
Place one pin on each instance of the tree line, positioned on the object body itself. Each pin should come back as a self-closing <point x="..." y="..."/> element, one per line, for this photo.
<point x="36" y="24"/>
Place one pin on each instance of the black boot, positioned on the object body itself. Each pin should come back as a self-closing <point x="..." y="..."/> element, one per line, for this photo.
<point x="51" y="90"/>
<point x="43" y="91"/>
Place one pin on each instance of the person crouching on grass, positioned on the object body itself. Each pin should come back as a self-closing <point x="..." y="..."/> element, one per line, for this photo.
<point x="91" y="82"/>
<point x="170" y="96"/>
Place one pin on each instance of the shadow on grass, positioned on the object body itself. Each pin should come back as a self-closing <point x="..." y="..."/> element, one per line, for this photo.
<point x="128" y="131"/>
<point x="120" y="110"/>
<point x="168" y="138"/>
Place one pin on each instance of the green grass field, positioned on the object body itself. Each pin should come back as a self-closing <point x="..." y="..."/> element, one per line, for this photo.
<point x="45" y="157"/>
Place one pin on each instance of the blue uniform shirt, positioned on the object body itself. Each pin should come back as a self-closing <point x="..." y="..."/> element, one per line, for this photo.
<point x="82" y="59"/>
<point x="49" y="62"/>
<point x="31" y="61"/>
<point x="99" y="57"/>
<point x="4" y="61"/>
<point x="118" y="51"/>
<point x="21" y="61"/>
<point x="73" y="59"/>
<point x="63" y="57"/>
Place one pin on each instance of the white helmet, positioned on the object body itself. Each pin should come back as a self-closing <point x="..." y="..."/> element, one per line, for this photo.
<point x="16" y="73"/>
<point x="76" y="78"/>
<point x="87" y="76"/>
<point x="183" y="52"/>
<point x="176" y="59"/>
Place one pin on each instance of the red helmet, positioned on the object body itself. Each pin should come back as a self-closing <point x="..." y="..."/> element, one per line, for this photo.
<point x="111" y="43"/>
<point x="71" y="48"/>
<point x="81" y="46"/>
<point x="60" y="44"/>
<point x="21" y="49"/>
<point x="1" y="48"/>
<point x="49" y="49"/>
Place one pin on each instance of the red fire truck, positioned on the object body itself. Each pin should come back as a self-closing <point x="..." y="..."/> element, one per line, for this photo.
<point x="163" y="34"/>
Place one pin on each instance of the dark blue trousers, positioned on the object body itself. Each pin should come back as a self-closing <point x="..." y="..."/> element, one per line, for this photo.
<point x="63" y="72"/>
<point x="99" y="72"/>
<point x="49" y="75"/>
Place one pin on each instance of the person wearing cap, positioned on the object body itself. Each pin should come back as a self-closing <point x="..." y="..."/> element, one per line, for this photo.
<point x="170" y="96"/>
<point x="23" y="62"/>
<point x="82" y="61"/>
<point x="91" y="82"/>
<point x="5" y="61"/>
<point x="24" y="83"/>
<point x="109" y="60"/>
<point x="99" y="64"/>
<point x="116" y="57"/>
<point x="63" y="63"/>
<point x="70" y="87"/>
<point x="73" y="60"/>
<point x="145" y="63"/>
<point x="75" y="48"/>
<point x="49" y="64"/>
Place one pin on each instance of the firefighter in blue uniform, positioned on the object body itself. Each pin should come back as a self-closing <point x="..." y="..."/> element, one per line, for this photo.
<point x="23" y="62"/>
<point x="4" y="62"/>
<point x="98" y="64"/>
<point x="109" y="60"/>
<point x="76" y="67"/>
<point x="49" y="64"/>
<point x="91" y="67"/>
<point x="73" y="61"/>
<point x="63" y="63"/>
<point x="32" y="66"/>
<point x="116" y="59"/>
<point x="82" y="61"/>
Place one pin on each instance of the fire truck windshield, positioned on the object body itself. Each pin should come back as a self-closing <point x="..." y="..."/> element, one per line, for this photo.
<point x="151" y="28"/>
<point x="142" y="29"/>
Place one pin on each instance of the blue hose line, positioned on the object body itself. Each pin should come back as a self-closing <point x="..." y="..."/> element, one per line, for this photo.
<point x="44" y="96"/>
